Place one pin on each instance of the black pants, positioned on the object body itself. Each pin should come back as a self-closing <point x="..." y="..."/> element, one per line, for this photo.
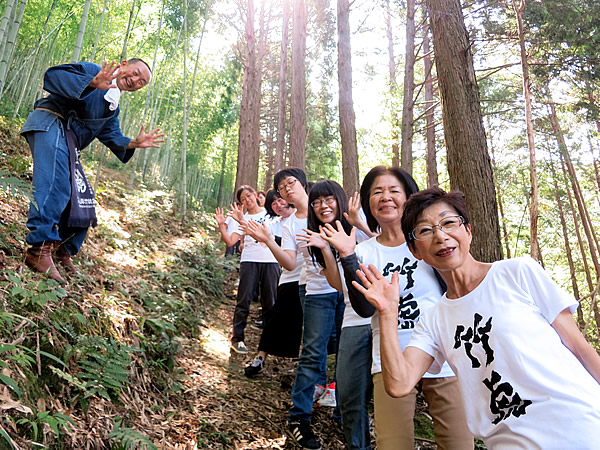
<point x="254" y="276"/>
<point x="282" y="333"/>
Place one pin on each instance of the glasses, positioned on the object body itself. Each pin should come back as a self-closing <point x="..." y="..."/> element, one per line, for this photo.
<point x="424" y="232"/>
<point x="326" y="201"/>
<point x="287" y="185"/>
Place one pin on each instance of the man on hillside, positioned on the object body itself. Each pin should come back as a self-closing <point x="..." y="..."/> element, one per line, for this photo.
<point x="83" y="104"/>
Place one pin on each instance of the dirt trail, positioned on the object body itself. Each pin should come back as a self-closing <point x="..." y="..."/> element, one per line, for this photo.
<point x="230" y="410"/>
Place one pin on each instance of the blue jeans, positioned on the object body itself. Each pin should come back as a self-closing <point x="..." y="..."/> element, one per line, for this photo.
<point x="355" y="384"/>
<point x="47" y="220"/>
<point x="322" y="313"/>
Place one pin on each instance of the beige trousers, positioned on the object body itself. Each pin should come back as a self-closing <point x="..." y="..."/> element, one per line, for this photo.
<point x="394" y="426"/>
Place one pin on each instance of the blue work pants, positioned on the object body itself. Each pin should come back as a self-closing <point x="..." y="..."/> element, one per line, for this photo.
<point x="47" y="220"/>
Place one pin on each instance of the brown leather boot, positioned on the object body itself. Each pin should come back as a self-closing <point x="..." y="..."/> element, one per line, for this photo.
<point x="63" y="258"/>
<point x="39" y="259"/>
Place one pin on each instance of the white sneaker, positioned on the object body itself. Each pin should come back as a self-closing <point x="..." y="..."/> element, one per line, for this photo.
<point x="328" y="397"/>
<point x="239" y="347"/>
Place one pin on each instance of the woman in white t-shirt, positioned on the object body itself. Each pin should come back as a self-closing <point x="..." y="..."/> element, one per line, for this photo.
<point x="353" y="363"/>
<point x="383" y="194"/>
<point x="259" y="270"/>
<point x="281" y="335"/>
<point x="528" y="377"/>
<point x="319" y="319"/>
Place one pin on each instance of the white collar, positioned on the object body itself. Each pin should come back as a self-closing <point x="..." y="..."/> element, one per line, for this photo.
<point x="112" y="96"/>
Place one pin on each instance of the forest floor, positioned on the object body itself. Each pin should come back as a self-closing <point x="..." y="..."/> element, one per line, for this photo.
<point x="163" y="292"/>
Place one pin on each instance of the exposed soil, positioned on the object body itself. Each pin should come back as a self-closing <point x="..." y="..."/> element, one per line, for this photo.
<point x="233" y="411"/>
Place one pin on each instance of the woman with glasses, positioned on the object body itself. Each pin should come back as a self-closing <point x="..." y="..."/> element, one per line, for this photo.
<point x="322" y="304"/>
<point x="528" y="377"/>
<point x="292" y="185"/>
<point x="353" y="379"/>
<point x="383" y="194"/>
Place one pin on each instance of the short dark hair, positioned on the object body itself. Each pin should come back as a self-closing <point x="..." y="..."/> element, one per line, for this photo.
<point x="241" y="189"/>
<point x="422" y="200"/>
<point x="326" y="188"/>
<point x="271" y="196"/>
<point x="139" y="60"/>
<point x="406" y="180"/>
<point x="295" y="172"/>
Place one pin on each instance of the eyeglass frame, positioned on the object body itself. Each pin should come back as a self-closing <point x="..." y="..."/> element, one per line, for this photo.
<point x="327" y="200"/>
<point x="413" y="237"/>
<point x="288" y="184"/>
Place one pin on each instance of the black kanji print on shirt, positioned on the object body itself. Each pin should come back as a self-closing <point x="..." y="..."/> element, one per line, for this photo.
<point x="403" y="269"/>
<point x="475" y="335"/>
<point x="504" y="401"/>
<point x="408" y="312"/>
<point x="408" y="308"/>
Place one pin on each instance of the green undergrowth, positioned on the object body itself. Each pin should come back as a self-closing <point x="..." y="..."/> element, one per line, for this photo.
<point x="82" y="355"/>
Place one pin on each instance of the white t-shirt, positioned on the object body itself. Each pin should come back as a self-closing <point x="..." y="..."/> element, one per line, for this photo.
<point x="288" y="276"/>
<point x="254" y="251"/>
<point x="230" y="223"/>
<point x="419" y="290"/>
<point x="276" y="225"/>
<point x="522" y="388"/>
<point x="315" y="281"/>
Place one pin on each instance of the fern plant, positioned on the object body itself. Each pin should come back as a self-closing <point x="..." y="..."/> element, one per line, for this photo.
<point x="105" y="366"/>
<point x="56" y="422"/>
<point x="128" y="438"/>
<point x="15" y="186"/>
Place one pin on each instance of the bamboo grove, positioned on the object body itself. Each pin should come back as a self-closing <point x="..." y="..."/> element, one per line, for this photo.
<point x="278" y="89"/>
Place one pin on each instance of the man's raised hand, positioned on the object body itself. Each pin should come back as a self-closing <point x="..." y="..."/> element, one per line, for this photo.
<point x="103" y="80"/>
<point x="145" y="140"/>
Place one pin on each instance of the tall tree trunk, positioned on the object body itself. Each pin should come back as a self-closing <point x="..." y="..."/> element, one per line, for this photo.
<point x="79" y="41"/>
<point x="248" y="151"/>
<point x="151" y="91"/>
<point x="298" y="106"/>
<point x="568" y="251"/>
<point x="33" y="61"/>
<point x="580" y="242"/>
<point x="596" y="170"/>
<point x="128" y="32"/>
<point x="261" y="52"/>
<point x="409" y="89"/>
<point x="99" y="31"/>
<point x="393" y="86"/>
<point x="469" y="164"/>
<point x="533" y="207"/>
<point x="185" y="117"/>
<point x="346" y="105"/>
<point x="279" y="162"/>
<point x="581" y="206"/>
<point x="4" y="24"/>
<point x="500" y="205"/>
<point x="577" y="227"/>
<point x="431" y="160"/>
<point x="10" y="44"/>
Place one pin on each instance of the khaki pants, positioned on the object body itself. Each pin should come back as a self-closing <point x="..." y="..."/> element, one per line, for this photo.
<point x="394" y="426"/>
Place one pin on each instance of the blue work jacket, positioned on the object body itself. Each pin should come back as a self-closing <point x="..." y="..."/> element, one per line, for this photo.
<point x="84" y="108"/>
